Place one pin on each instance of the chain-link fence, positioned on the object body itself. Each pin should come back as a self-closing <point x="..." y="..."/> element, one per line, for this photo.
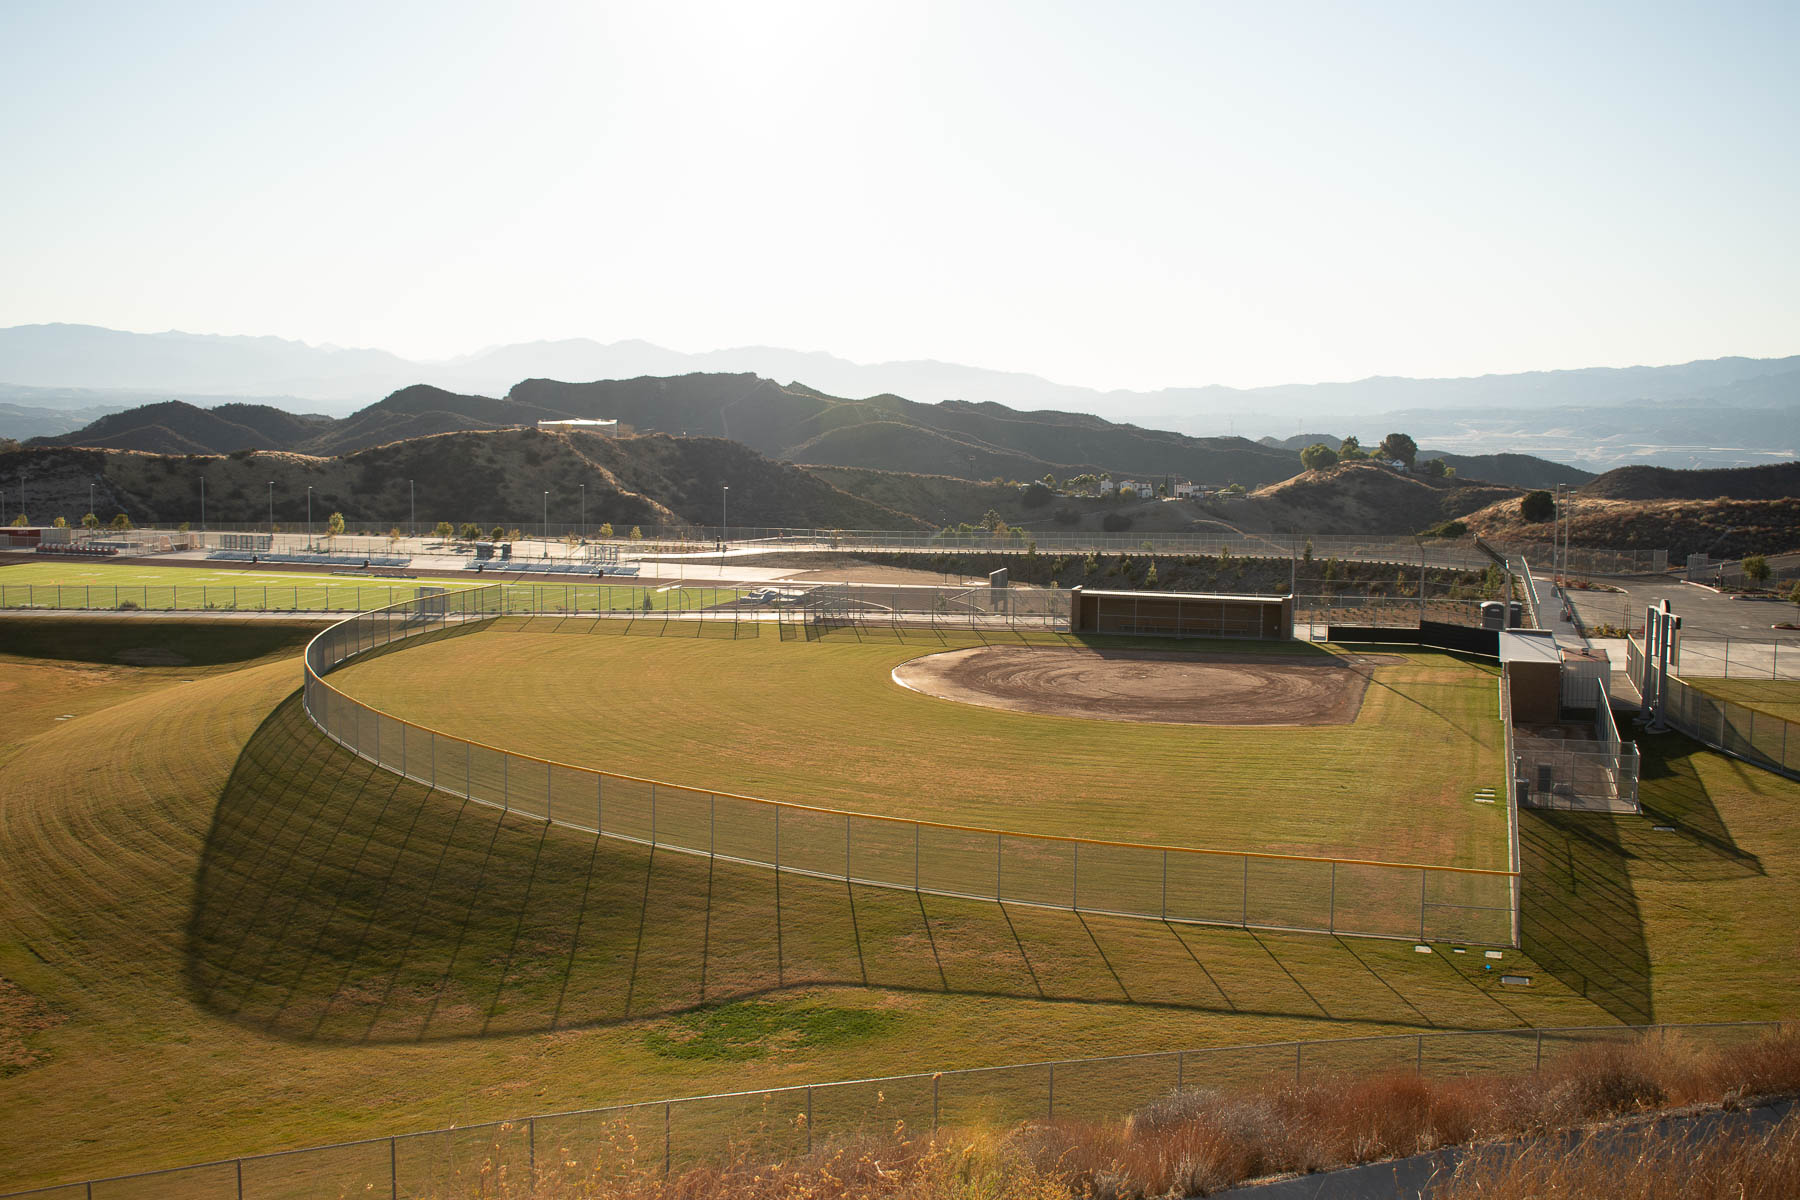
<point x="1764" y="738"/>
<point x="1698" y="654"/>
<point x="1249" y="890"/>
<point x="753" y="1131"/>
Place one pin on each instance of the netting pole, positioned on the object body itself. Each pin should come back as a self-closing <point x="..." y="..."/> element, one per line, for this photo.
<point x="1050" y="1108"/>
<point x="549" y="794"/>
<point x="600" y="804"/>
<point x="1419" y="1060"/>
<point x="999" y="838"/>
<point x="1180" y="1068"/>
<point x="393" y="1169"/>
<point x="712" y="823"/>
<point x="1165" y="885"/>
<point x="916" y="888"/>
<point x="505" y="782"/>
<point x="809" y="1119"/>
<point x="846" y="850"/>
<point x="1075" y="894"/>
<point x="667" y="1141"/>
<point x="1297" y="1046"/>
<point x="1331" y="915"/>
<point x="653" y="818"/>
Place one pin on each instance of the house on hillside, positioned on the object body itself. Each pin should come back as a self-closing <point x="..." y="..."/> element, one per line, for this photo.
<point x="1188" y="490"/>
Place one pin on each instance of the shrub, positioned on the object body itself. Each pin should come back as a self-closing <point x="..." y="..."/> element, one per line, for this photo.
<point x="1318" y="457"/>
<point x="1756" y="568"/>
<point x="1537" y="506"/>
<point x="1115" y="522"/>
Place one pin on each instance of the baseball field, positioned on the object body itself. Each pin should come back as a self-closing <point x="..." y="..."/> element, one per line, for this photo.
<point x="825" y="723"/>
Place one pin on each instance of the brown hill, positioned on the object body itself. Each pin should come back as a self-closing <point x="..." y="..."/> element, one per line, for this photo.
<point x="1362" y="497"/>
<point x="1776" y="481"/>
<point x="1721" y="528"/>
<point x="496" y="477"/>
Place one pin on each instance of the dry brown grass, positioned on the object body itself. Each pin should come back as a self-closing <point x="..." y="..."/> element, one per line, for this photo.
<point x="1196" y="1142"/>
<point x="1647" y="1166"/>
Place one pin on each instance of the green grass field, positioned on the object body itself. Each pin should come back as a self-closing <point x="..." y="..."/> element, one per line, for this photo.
<point x="90" y="585"/>
<point x="225" y="935"/>
<point x="1777" y="697"/>
<point x="822" y="723"/>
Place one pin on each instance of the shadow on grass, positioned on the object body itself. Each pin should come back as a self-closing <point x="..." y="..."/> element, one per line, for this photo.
<point x="1581" y="918"/>
<point x="337" y="902"/>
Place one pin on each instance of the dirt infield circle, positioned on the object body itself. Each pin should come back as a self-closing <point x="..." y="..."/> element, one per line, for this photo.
<point x="1150" y="685"/>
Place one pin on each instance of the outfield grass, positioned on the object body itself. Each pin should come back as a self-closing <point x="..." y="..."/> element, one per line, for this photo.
<point x="235" y="936"/>
<point x="1777" y="697"/>
<point x="227" y="935"/>
<point x="823" y="723"/>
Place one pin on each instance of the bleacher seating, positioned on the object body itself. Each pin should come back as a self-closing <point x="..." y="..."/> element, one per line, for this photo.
<point x="79" y="549"/>
<point x="321" y="560"/>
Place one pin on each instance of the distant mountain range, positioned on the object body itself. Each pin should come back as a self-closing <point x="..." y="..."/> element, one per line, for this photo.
<point x="793" y="423"/>
<point x="1715" y="412"/>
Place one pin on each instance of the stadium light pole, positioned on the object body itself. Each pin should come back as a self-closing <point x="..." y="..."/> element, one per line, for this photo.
<point x="271" y="514"/>
<point x="724" y="499"/>
<point x="546" y="526"/>
<point x="90" y="497"/>
<point x="412" y="516"/>
<point x="309" y="536"/>
<point x="203" y="504"/>
<point x="583" y="511"/>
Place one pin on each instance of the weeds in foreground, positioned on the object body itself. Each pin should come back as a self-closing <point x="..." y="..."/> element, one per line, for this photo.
<point x="1197" y="1141"/>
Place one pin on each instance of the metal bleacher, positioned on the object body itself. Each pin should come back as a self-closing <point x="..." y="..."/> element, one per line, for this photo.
<point x="543" y="566"/>
<point x="322" y="560"/>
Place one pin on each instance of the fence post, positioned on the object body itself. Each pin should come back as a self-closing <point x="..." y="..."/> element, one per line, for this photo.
<point x="1421" y="904"/>
<point x="653" y="823"/>
<point x="1165" y="885"/>
<point x="934" y="1103"/>
<point x="809" y="1119"/>
<point x="599" y="804"/>
<point x="1245" y="922"/>
<point x="846" y="847"/>
<point x="393" y="1169"/>
<point x="1050" y="1109"/>
<point x="1075" y="894"/>
<point x="1539" y="1068"/>
<point x="240" y="1180"/>
<point x="777" y="843"/>
<point x="712" y="823"/>
<point x="1331" y="913"/>
<point x="1297" y="1046"/>
<point x="916" y="884"/>
<point x="667" y="1138"/>
<point x="531" y="1146"/>
<point x="1419" y="1060"/>
<point x="549" y="789"/>
<point x="998" y="838"/>
<point x="1180" y="1067"/>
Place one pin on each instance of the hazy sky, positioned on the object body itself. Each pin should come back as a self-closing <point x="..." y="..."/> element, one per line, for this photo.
<point x="1129" y="195"/>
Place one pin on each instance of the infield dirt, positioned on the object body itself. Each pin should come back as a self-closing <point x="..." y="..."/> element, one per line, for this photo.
<point x="1149" y="685"/>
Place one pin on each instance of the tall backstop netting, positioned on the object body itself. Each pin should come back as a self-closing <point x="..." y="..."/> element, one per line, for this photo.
<point x="1250" y="890"/>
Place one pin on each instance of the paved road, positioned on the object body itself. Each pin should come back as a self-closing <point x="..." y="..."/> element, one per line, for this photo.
<point x="1703" y="611"/>
<point x="1422" y="1176"/>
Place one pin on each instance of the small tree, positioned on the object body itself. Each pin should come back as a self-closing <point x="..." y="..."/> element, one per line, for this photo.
<point x="1435" y="468"/>
<point x="444" y="531"/>
<point x="394" y="536"/>
<point x="60" y="523"/>
<point x="1537" y="506"/>
<point x="1150" y="575"/>
<point x="121" y="522"/>
<point x="1756" y="568"/>
<point x="20" y="520"/>
<point x="1127" y="493"/>
<point x="1306" y="553"/>
<point x="497" y="534"/>
<point x="606" y="529"/>
<point x="1050" y="481"/>
<point x="1351" y="450"/>
<point x="648" y="606"/>
<point x="90" y="521"/>
<point x="1318" y="457"/>
<point x="1399" y="447"/>
<point x="181" y="528"/>
<point x="637" y="534"/>
<point x="334" y="525"/>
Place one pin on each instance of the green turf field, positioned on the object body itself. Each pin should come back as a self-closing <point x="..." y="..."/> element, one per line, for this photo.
<point x="1777" y="697"/>
<point x="227" y="935"/>
<point x="822" y="723"/>
<point x="79" y="584"/>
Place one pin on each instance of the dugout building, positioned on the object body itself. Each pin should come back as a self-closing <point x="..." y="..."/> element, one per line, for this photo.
<point x="1181" y="614"/>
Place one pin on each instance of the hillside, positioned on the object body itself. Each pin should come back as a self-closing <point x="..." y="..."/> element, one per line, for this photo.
<point x="1513" y="470"/>
<point x="496" y="476"/>
<point x="177" y="427"/>
<point x="1721" y="528"/>
<point x="1360" y="497"/>
<point x="1776" y="481"/>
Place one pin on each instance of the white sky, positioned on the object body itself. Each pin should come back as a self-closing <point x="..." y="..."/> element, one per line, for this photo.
<point x="1118" y="195"/>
